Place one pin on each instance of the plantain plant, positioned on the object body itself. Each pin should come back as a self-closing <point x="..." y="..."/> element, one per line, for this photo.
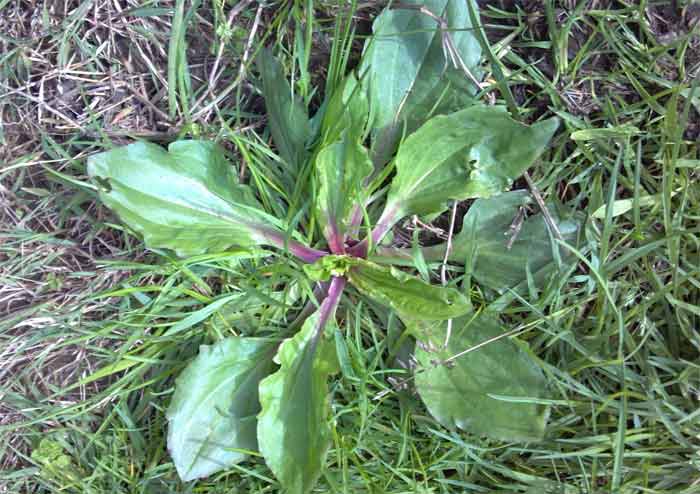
<point x="404" y="134"/>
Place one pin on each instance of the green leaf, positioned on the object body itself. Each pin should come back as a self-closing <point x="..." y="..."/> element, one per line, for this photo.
<point x="476" y="152"/>
<point x="187" y="199"/>
<point x="212" y="415"/>
<point x="293" y="426"/>
<point x="461" y="393"/>
<point x="406" y="294"/>
<point x="347" y="111"/>
<point x="342" y="163"/>
<point x="409" y="76"/>
<point x="341" y="168"/>
<point x="289" y="121"/>
<point x="485" y="239"/>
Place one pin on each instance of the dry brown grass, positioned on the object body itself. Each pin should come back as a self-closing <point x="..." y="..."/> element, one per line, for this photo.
<point x="72" y="74"/>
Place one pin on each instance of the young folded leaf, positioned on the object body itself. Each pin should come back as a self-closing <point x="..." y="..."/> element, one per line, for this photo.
<point x="213" y="411"/>
<point x="410" y="71"/>
<point x="476" y="152"/>
<point x="187" y="199"/>
<point x="341" y="168"/>
<point x="293" y="428"/>
<point x="406" y="294"/>
<point x="329" y="266"/>
<point x="462" y="393"/>
<point x="288" y="119"/>
<point x="347" y="111"/>
<point x="496" y="260"/>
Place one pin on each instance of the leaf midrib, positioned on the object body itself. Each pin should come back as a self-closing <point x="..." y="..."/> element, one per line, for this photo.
<point x="233" y="377"/>
<point x="233" y="219"/>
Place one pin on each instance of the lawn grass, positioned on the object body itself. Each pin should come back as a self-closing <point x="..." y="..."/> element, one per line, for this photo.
<point x="94" y="328"/>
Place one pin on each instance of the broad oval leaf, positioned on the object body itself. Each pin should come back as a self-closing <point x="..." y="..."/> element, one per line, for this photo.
<point x="498" y="261"/>
<point x="476" y="152"/>
<point x="462" y="392"/>
<point x="293" y="425"/>
<point x="412" y="73"/>
<point x="341" y="168"/>
<point x="499" y="257"/>
<point x="212" y="415"/>
<point x="187" y="198"/>
<point x="289" y="122"/>
<point x="406" y="294"/>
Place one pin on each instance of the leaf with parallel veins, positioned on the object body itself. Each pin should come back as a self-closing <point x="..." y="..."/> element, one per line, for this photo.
<point x="187" y="199"/>
<point x="464" y="392"/>
<point x="293" y="425"/>
<point x="212" y="416"/>
<point x="476" y="152"/>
